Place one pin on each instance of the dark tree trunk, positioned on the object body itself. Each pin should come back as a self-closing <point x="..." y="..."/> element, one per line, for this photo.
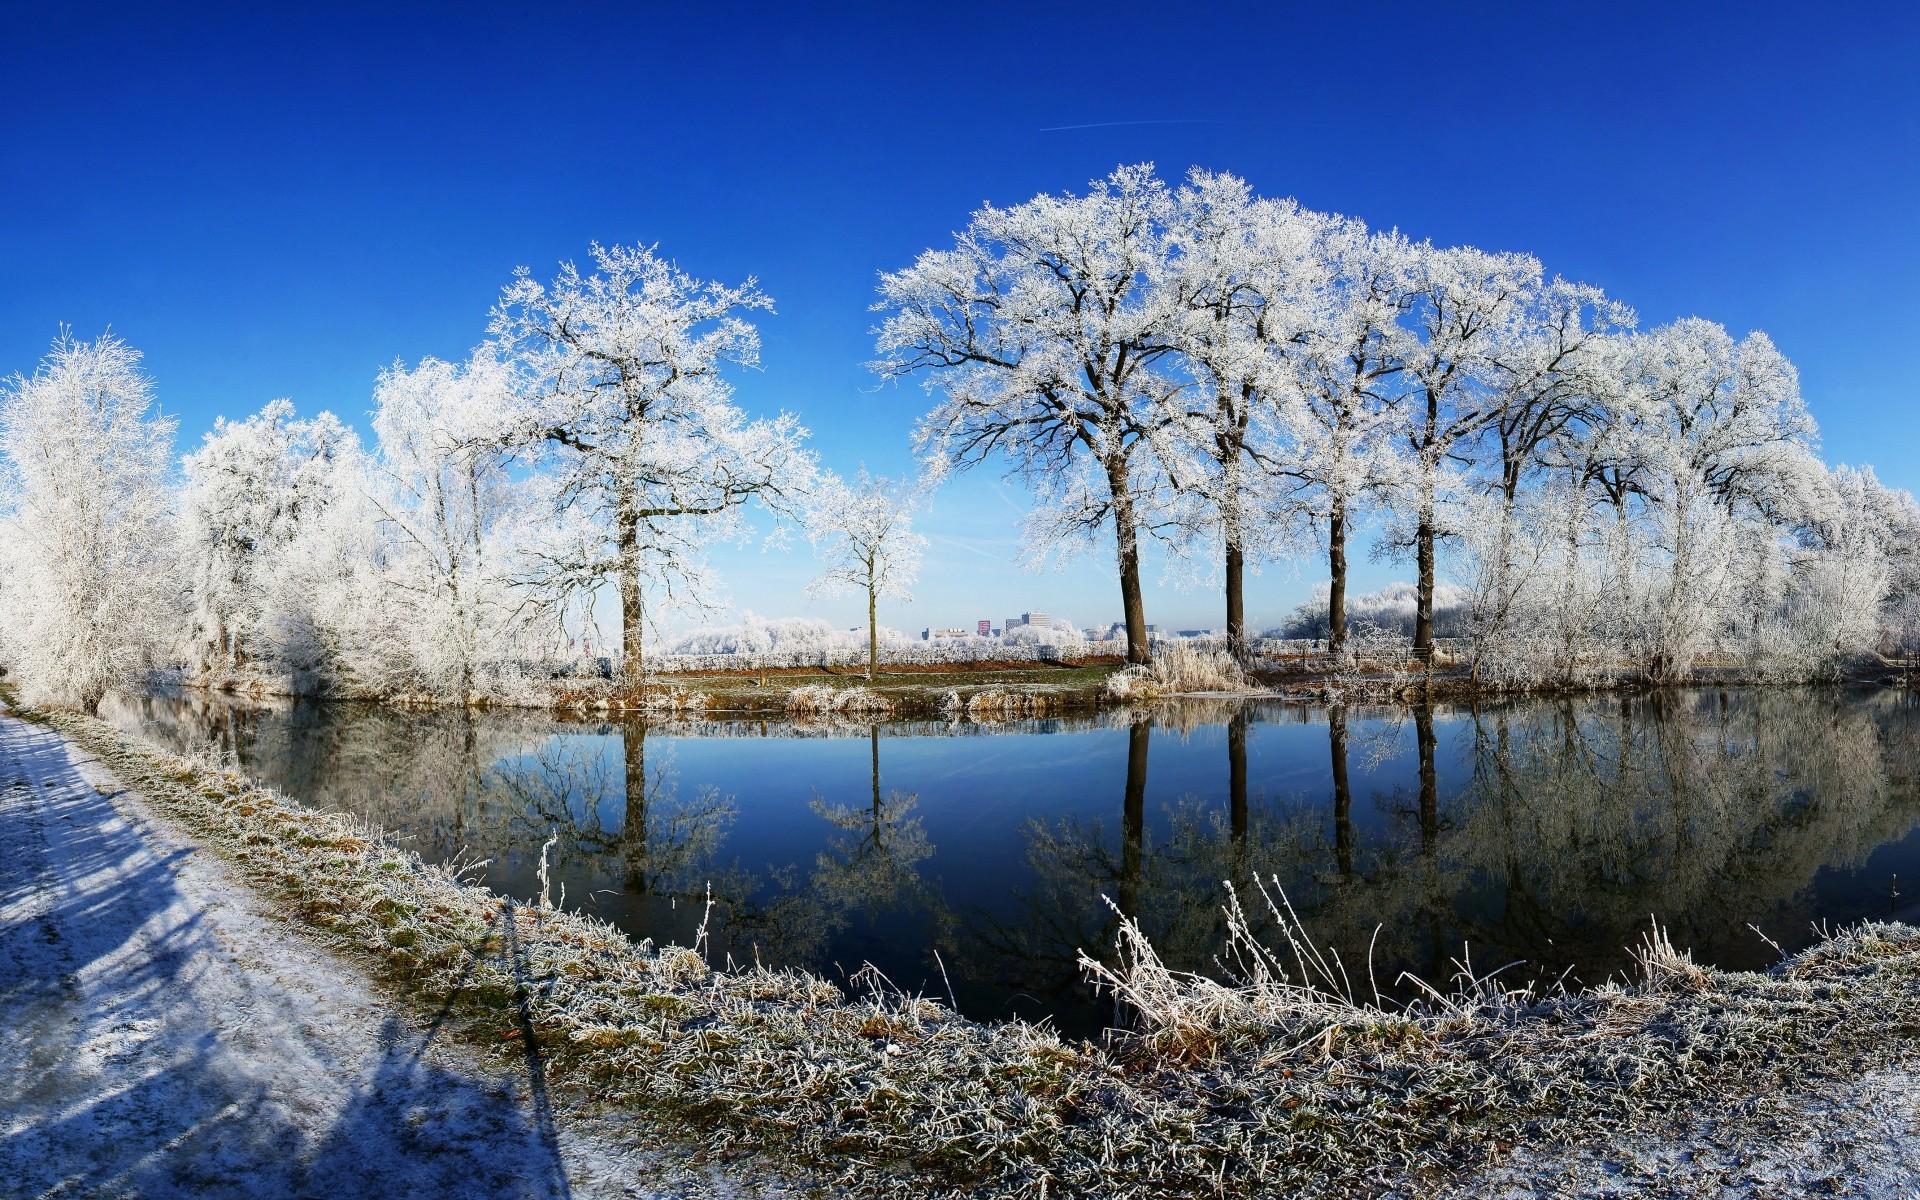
<point x="633" y="831"/>
<point x="1237" y="775"/>
<point x="1237" y="819"/>
<point x="1133" y="822"/>
<point x="873" y="633"/>
<point x="1423" y="615"/>
<point x="1342" y="792"/>
<point x="1236" y="602"/>
<point x="1429" y="780"/>
<point x="1430" y="834"/>
<point x="1127" y="543"/>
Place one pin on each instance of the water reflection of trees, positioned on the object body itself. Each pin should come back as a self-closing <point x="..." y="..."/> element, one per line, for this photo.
<point x="1564" y="828"/>
<point x="1540" y="831"/>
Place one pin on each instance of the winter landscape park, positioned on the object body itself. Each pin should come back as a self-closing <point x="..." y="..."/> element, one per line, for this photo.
<point x="615" y="601"/>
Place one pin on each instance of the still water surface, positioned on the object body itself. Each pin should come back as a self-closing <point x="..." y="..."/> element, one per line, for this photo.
<point x="981" y="858"/>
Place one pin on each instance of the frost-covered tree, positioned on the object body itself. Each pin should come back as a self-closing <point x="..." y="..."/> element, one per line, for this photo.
<point x="1466" y="306"/>
<point x="448" y="500"/>
<point x="251" y="487"/>
<point x="1721" y="451"/>
<point x="1046" y="337"/>
<point x="1557" y="385"/>
<point x="864" y="533"/>
<point x="620" y="395"/>
<point x="1345" y="380"/>
<point x="87" y="582"/>
<point x="1250" y="280"/>
<point x="1856" y="542"/>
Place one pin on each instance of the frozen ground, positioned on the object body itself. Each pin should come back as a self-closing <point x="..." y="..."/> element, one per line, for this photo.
<point x="1857" y="1138"/>
<point x="167" y="1038"/>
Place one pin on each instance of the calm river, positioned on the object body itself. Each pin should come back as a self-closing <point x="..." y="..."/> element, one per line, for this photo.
<point x="982" y="857"/>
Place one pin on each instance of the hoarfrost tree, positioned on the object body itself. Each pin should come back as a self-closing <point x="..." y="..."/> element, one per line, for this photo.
<point x="1466" y="304"/>
<point x="864" y="531"/>
<point x="251" y="487"/>
<point x="1722" y="449"/>
<point x="1854" y="556"/>
<point x="1556" y="387"/>
<point x="1344" y="378"/>
<point x="447" y="498"/>
<point x="620" y="389"/>
<point x="1248" y="280"/>
<point x="88" y="587"/>
<point x="1044" y="333"/>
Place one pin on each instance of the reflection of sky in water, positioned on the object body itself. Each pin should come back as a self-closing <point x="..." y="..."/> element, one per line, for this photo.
<point x="1542" y="840"/>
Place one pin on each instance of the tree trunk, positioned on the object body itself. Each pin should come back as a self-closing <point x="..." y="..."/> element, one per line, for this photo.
<point x="1337" y="579"/>
<point x="873" y="633"/>
<point x="632" y="660"/>
<point x="1237" y="817"/>
<point x="633" y="828"/>
<point x="1430" y="832"/>
<point x="1236" y="603"/>
<point x="1127" y="543"/>
<point x="1235" y="541"/>
<point x="1133" y="818"/>
<point x="1423" y="614"/>
<point x="1342" y="792"/>
<point x="1429" y="779"/>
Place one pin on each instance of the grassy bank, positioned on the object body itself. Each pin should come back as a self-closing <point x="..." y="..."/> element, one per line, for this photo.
<point x="1282" y="1082"/>
<point x="900" y="691"/>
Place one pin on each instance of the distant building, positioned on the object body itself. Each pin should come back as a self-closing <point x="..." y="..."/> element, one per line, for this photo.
<point x="929" y="633"/>
<point x="985" y="629"/>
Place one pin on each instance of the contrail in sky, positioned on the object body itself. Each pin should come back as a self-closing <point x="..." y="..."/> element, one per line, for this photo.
<point x="973" y="549"/>
<point x="1113" y="124"/>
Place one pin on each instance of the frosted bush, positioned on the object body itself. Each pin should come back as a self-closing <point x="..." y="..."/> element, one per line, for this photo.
<point x="1179" y="668"/>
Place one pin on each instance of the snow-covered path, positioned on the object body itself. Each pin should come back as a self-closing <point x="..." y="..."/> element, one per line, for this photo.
<point x="166" y="1038"/>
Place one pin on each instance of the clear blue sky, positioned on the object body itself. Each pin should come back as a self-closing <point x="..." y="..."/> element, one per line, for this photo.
<point x="271" y="203"/>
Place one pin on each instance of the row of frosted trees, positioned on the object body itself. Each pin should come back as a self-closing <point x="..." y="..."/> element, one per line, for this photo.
<point x="1242" y="379"/>
<point x="1251" y="380"/>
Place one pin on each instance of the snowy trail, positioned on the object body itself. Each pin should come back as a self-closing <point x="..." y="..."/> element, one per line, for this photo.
<point x="166" y="1038"/>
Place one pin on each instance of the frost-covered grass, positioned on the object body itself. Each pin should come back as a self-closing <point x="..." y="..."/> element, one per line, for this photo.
<point x="1178" y="668"/>
<point x="1293" y="1077"/>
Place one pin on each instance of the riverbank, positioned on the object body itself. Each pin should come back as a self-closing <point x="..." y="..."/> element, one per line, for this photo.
<point x="1272" y="1087"/>
<point x="991" y="689"/>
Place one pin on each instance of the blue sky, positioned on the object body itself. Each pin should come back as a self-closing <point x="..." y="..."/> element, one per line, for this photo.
<point x="274" y="203"/>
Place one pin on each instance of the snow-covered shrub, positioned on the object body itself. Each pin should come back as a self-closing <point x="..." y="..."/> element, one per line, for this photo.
<point x="1178" y="668"/>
